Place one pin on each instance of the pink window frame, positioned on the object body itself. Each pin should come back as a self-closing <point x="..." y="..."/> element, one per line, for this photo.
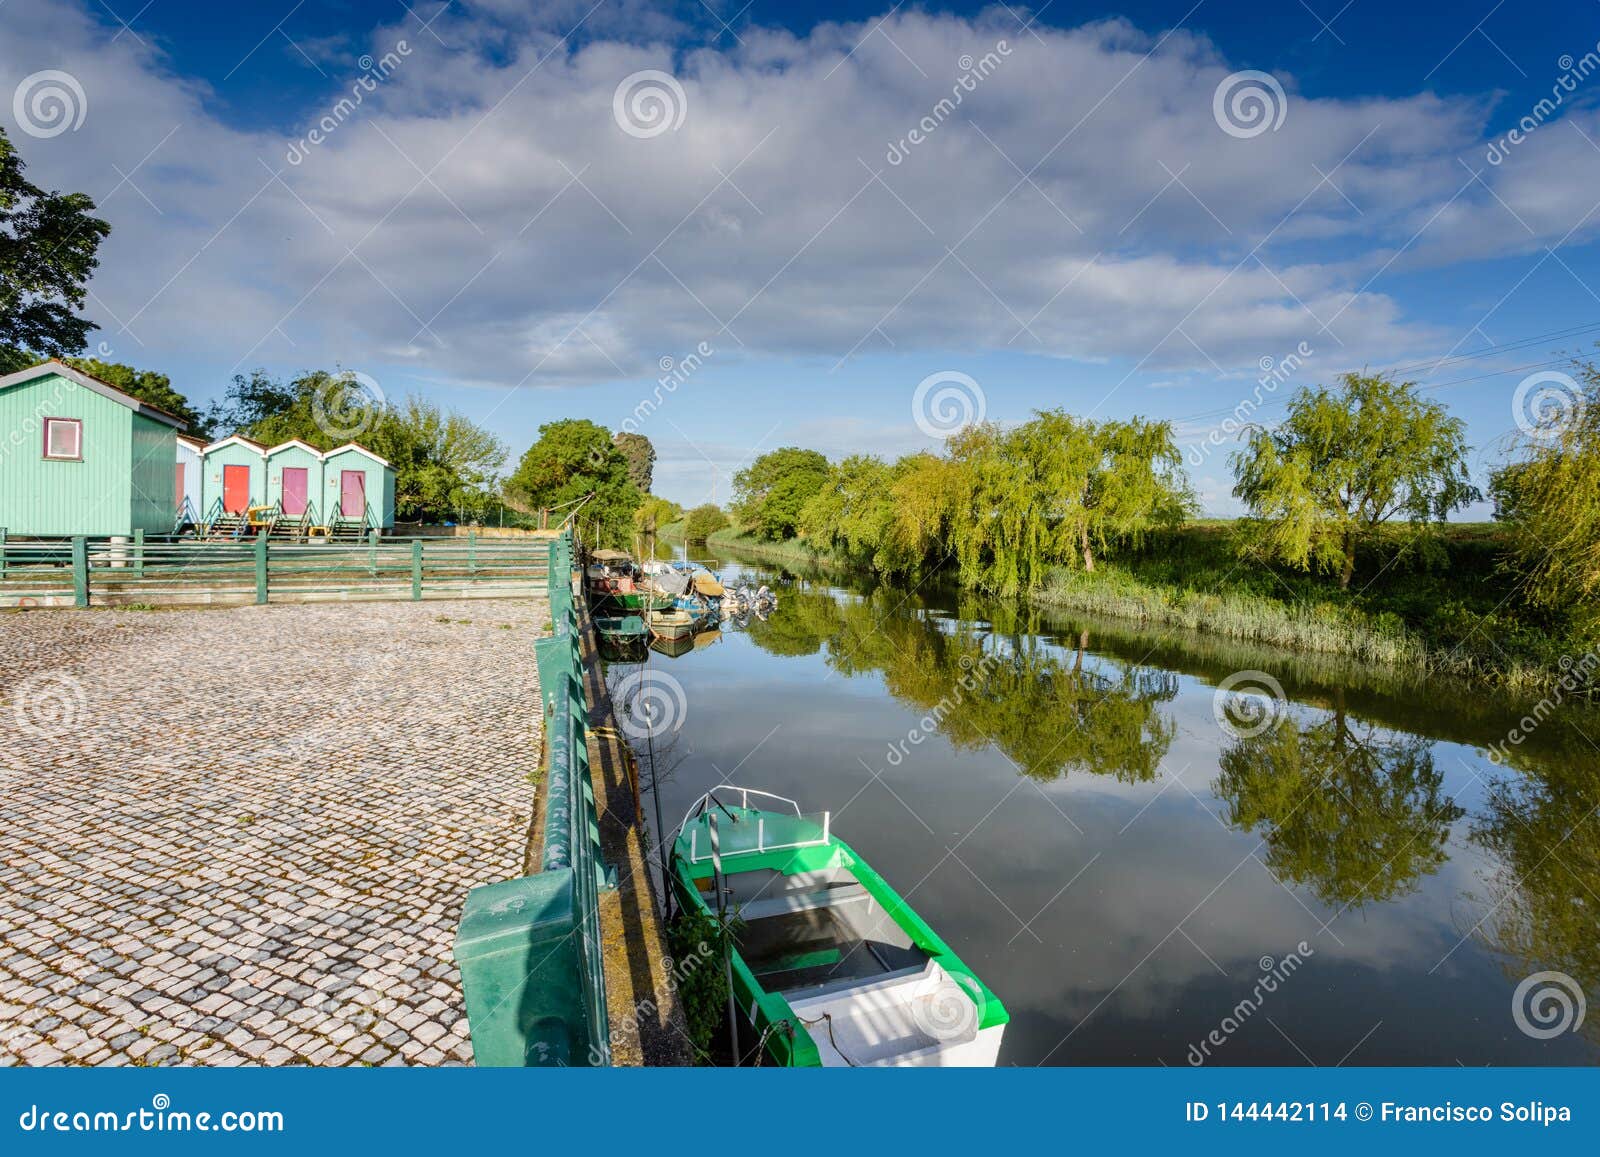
<point x="78" y="457"/>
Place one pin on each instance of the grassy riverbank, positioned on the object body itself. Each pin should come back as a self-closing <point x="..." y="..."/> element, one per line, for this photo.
<point x="1454" y="614"/>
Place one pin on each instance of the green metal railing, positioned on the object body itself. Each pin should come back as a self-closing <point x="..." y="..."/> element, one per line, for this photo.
<point x="530" y="949"/>
<point x="167" y="572"/>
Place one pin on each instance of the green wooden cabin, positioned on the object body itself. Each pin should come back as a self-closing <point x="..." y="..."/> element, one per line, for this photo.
<point x="80" y="457"/>
<point x="355" y="476"/>
<point x="233" y="470"/>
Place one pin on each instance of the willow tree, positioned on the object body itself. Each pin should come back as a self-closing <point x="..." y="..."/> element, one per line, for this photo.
<point x="1345" y="462"/>
<point x="1056" y="490"/>
<point x="1548" y="499"/>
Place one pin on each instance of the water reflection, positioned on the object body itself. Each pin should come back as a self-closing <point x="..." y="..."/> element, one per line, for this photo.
<point x="1431" y="880"/>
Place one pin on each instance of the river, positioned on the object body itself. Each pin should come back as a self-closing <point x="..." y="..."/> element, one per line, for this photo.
<point x="1152" y="872"/>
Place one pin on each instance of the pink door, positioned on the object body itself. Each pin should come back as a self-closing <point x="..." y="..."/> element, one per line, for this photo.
<point x="235" y="488"/>
<point x="352" y="493"/>
<point x="294" y="490"/>
<point x="179" y="504"/>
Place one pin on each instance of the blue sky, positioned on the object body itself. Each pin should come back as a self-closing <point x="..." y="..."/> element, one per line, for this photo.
<point x="1080" y="231"/>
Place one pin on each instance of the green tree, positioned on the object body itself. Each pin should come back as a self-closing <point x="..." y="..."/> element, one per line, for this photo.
<point x="147" y="386"/>
<point x="641" y="456"/>
<point x="770" y="493"/>
<point x="1551" y="501"/>
<point x="1343" y="463"/>
<point x="704" y="521"/>
<point x="575" y="459"/>
<point x="48" y="248"/>
<point x="654" y="513"/>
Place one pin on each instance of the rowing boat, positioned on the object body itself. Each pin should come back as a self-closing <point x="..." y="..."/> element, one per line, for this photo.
<point x="830" y="965"/>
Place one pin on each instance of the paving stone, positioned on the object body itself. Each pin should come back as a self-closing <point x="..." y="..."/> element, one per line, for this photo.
<point x="247" y="836"/>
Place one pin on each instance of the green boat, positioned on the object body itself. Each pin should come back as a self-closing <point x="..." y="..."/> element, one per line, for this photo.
<point x="620" y="628"/>
<point x="831" y="967"/>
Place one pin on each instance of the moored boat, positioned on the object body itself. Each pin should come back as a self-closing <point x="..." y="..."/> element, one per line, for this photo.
<point x="830" y="965"/>
<point x="673" y="623"/>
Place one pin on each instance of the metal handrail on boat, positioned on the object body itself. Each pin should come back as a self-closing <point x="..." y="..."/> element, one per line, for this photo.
<point x="706" y="801"/>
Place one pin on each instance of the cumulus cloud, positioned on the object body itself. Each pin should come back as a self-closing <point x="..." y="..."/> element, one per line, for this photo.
<point x="481" y="215"/>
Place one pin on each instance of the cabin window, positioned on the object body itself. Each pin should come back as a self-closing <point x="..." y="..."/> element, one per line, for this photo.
<point x="63" y="439"/>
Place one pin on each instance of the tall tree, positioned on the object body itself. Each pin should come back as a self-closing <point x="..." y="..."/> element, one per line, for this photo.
<point x="1550" y="499"/>
<point x="641" y="456"/>
<point x="1345" y="462"/>
<point x="769" y="494"/>
<point x="146" y="385"/>
<point x="575" y="459"/>
<point x="48" y="247"/>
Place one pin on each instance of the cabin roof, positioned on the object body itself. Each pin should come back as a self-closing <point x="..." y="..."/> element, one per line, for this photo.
<point x="306" y="446"/>
<point x="359" y="448"/>
<point x="94" y="385"/>
<point x="241" y="440"/>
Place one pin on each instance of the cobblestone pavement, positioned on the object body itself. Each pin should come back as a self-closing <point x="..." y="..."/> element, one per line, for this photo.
<point x="244" y="836"/>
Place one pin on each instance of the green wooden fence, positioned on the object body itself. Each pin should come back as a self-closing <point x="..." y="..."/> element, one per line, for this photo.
<point x="530" y="948"/>
<point x="84" y="572"/>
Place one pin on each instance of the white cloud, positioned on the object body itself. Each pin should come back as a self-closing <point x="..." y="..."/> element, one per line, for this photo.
<point x="481" y="215"/>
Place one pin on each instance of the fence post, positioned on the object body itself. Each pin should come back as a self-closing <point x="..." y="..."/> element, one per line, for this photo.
<point x="138" y="553"/>
<point x="372" y="552"/>
<point x="80" y="571"/>
<point x="2" y="552"/>
<point x="416" y="569"/>
<point x="261" y="568"/>
<point x="472" y="554"/>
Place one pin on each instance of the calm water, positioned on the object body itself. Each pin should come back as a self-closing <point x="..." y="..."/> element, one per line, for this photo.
<point x="1059" y="800"/>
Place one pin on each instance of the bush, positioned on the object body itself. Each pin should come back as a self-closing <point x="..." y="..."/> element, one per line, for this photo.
<point x="704" y="521"/>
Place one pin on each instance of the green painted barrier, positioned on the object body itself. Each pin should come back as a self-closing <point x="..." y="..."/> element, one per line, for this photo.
<point x="529" y="949"/>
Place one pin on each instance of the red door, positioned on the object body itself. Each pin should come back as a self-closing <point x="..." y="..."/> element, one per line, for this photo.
<point x="179" y="504"/>
<point x="235" y="489"/>
<point x="352" y="493"/>
<point x="294" y="490"/>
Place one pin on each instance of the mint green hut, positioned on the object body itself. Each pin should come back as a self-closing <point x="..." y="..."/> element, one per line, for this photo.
<point x="234" y="474"/>
<point x="294" y="481"/>
<point x="80" y="457"/>
<point x="358" y="483"/>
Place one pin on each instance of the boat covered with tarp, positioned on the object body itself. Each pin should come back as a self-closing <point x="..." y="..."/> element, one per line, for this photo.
<point x="830" y="965"/>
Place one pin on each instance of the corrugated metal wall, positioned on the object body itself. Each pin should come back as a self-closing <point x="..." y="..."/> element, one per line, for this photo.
<point x="154" y="452"/>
